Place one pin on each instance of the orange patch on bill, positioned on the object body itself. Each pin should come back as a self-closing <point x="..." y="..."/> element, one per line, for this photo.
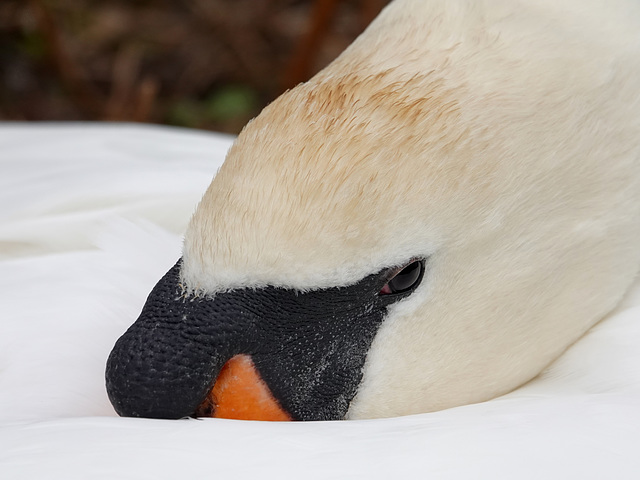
<point x="239" y="393"/>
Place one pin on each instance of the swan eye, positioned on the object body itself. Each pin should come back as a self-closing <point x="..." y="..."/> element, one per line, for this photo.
<point x="405" y="279"/>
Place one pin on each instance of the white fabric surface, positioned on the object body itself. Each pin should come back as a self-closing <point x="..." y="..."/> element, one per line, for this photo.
<point x="91" y="216"/>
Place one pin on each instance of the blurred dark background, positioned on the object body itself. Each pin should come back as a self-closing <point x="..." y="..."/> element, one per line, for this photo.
<point x="210" y="64"/>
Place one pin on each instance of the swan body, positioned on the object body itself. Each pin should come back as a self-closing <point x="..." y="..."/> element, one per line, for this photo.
<point x="497" y="141"/>
<point x="93" y="215"/>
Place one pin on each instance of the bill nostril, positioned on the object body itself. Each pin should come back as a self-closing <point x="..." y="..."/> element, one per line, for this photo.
<point x="239" y="393"/>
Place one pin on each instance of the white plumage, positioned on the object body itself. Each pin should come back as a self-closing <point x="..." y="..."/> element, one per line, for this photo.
<point x="498" y="139"/>
<point x="512" y="212"/>
<point x="115" y="199"/>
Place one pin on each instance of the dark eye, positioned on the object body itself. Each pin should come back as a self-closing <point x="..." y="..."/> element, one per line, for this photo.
<point x="405" y="279"/>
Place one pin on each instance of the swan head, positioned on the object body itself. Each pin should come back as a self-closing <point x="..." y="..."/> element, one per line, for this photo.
<point x="384" y="240"/>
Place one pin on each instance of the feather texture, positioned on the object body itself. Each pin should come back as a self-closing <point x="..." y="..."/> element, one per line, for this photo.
<point x="115" y="198"/>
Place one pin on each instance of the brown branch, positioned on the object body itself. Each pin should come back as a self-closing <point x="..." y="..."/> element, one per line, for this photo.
<point x="369" y="9"/>
<point x="88" y="98"/>
<point x="145" y="100"/>
<point x="299" y="68"/>
<point x="123" y="81"/>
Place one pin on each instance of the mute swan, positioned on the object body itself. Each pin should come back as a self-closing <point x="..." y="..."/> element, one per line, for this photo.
<point x="428" y="222"/>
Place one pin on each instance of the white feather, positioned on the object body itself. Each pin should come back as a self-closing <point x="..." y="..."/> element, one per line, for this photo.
<point x="64" y="303"/>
